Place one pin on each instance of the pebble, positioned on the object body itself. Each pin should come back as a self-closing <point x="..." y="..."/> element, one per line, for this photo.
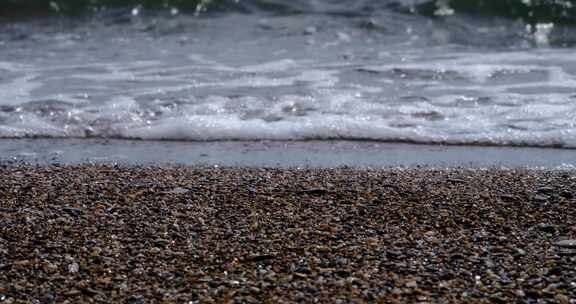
<point x="545" y="190"/>
<point x="562" y="299"/>
<point x="456" y="180"/>
<point x="541" y="198"/>
<point x="73" y="268"/>
<point x="547" y="228"/>
<point x="358" y="235"/>
<point x="74" y="212"/>
<point x="178" y="190"/>
<point x="571" y="244"/>
<point x="313" y="191"/>
<point x="261" y="257"/>
<point x="412" y="284"/>
<point x="161" y="242"/>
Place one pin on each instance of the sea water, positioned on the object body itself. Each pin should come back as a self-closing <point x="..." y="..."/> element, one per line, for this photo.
<point x="455" y="72"/>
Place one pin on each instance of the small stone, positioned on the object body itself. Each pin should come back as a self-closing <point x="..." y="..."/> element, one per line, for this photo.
<point x="161" y="242"/>
<point x="49" y="267"/>
<point x="567" y="194"/>
<point x="566" y="244"/>
<point x="91" y="291"/>
<point x="175" y="253"/>
<point x="430" y="233"/>
<point x="508" y="198"/>
<point x="73" y="268"/>
<point x="456" y="180"/>
<point x="520" y="252"/>
<point x="546" y="228"/>
<point x="300" y="275"/>
<point x="303" y="269"/>
<point x="342" y="273"/>
<point x="412" y="284"/>
<point x="74" y="212"/>
<point x="545" y="190"/>
<point x="540" y="198"/>
<point x="562" y="299"/>
<point x="254" y="289"/>
<point x="261" y="257"/>
<point x="178" y="190"/>
<point x="497" y="298"/>
<point x="313" y="191"/>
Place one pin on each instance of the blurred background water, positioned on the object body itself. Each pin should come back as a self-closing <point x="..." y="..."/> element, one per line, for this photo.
<point x="492" y="72"/>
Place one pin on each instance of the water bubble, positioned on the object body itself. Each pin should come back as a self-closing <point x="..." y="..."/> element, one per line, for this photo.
<point x="136" y="10"/>
<point x="443" y="8"/>
<point x="202" y="6"/>
<point x="541" y="33"/>
<point x="54" y="6"/>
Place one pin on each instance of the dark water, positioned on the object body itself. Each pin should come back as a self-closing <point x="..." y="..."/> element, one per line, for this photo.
<point x="496" y="72"/>
<point x="532" y="11"/>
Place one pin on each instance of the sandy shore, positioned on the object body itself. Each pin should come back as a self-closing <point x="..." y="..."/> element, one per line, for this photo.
<point x="187" y="235"/>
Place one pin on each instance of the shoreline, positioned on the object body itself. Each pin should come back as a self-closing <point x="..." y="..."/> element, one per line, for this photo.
<point x="187" y="234"/>
<point x="313" y="154"/>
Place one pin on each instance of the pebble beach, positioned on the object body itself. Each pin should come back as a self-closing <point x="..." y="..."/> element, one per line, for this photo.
<point x="281" y="151"/>
<point x="141" y="234"/>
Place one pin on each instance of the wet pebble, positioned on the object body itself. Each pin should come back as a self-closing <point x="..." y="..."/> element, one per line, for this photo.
<point x="571" y="244"/>
<point x="178" y="190"/>
<point x="311" y="235"/>
<point x="74" y="212"/>
<point x="546" y="228"/>
<point x="545" y="190"/>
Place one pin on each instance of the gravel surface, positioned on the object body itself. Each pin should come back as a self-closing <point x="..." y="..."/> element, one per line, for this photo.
<point x="188" y="235"/>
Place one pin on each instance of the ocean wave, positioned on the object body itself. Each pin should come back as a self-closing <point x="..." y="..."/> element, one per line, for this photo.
<point x="468" y="98"/>
<point x="413" y="71"/>
<point x="531" y="11"/>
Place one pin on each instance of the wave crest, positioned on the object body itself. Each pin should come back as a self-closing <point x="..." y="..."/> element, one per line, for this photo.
<point x="531" y="11"/>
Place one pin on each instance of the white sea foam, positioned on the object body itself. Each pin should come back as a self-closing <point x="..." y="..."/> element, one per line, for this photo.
<point x="265" y="91"/>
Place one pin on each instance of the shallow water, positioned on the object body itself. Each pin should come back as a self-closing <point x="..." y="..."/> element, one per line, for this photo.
<point x="411" y="71"/>
<point x="280" y="154"/>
